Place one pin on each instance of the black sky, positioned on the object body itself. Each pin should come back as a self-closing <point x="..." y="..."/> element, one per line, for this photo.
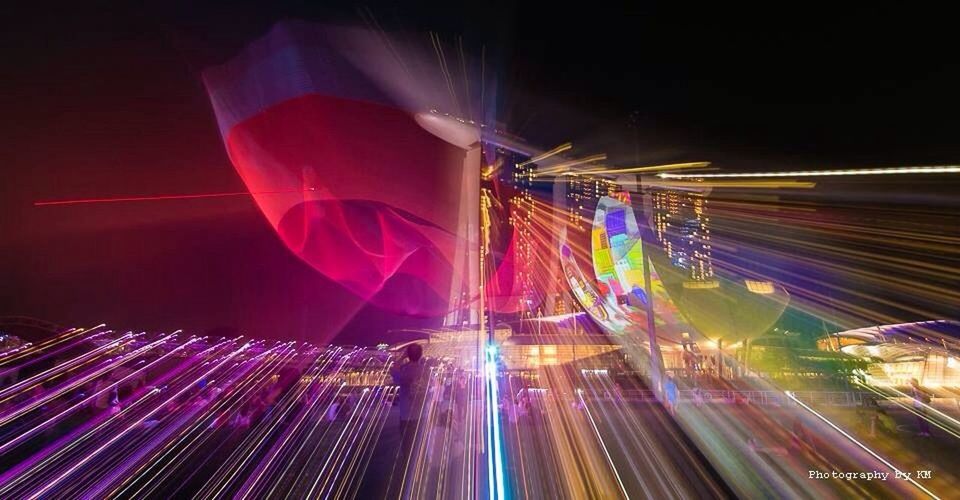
<point x="857" y="84"/>
<point x="103" y="100"/>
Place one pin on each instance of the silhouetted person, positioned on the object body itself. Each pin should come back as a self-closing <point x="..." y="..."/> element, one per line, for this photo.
<point x="921" y="398"/>
<point x="409" y="377"/>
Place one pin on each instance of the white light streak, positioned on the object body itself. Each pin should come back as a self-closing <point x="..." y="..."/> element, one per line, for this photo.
<point x="944" y="169"/>
<point x="858" y="443"/>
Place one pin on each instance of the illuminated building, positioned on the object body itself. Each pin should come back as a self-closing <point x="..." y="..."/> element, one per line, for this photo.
<point x="581" y="193"/>
<point x="615" y="293"/>
<point x="682" y="227"/>
<point x="510" y="179"/>
<point x="522" y="211"/>
<point x="518" y="351"/>
<point x="618" y="294"/>
<point x="575" y="197"/>
<point x="526" y="352"/>
<point x="559" y="305"/>
<point x="904" y="351"/>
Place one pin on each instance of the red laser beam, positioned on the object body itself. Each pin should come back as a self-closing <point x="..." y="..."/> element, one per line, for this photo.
<point x="163" y="197"/>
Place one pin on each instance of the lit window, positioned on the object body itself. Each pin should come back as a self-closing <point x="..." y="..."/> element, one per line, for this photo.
<point x="760" y="287"/>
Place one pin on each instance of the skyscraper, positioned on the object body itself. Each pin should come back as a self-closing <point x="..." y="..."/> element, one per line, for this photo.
<point x="682" y="227"/>
<point x="581" y="193"/>
<point x="509" y="176"/>
<point x="522" y="211"/>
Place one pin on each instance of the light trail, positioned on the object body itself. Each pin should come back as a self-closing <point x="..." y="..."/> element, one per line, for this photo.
<point x="954" y="425"/>
<point x="45" y="424"/>
<point x="69" y="341"/>
<point x="30" y="349"/>
<point x="90" y="456"/>
<point x="275" y="452"/>
<point x="563" y="168"/>
<point x="553" y="152"/>
<point x="699" y="184"/>
<point x="859" y="444"/>
<point x="945" y="169"/>
<point x="245" y="455"/>
<point x="59" y="452"/>
<point x="156" y="450"/>
<point x="495" y="459"/>
<point x="603" y="445"/>
<point x="579" y="436"/>
<point x="652" y="168"/>
<point x="169" y="455"/>
<point x="54" y="372"/>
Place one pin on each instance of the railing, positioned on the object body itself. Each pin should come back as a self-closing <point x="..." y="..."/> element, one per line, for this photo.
<point x="765" y="398"/>
<point x="772" y="398"/>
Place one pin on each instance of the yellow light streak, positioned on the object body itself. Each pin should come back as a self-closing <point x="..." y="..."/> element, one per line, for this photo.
<point x="553" y="152"/>
<point x="653" y="168"/>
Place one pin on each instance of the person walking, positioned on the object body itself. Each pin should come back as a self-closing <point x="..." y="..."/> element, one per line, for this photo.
<point x="670" y="391"/>
<point x="921" y="399"/>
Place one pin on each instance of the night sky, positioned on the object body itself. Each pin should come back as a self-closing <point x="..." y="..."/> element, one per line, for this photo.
<point x="107" y="101"/>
